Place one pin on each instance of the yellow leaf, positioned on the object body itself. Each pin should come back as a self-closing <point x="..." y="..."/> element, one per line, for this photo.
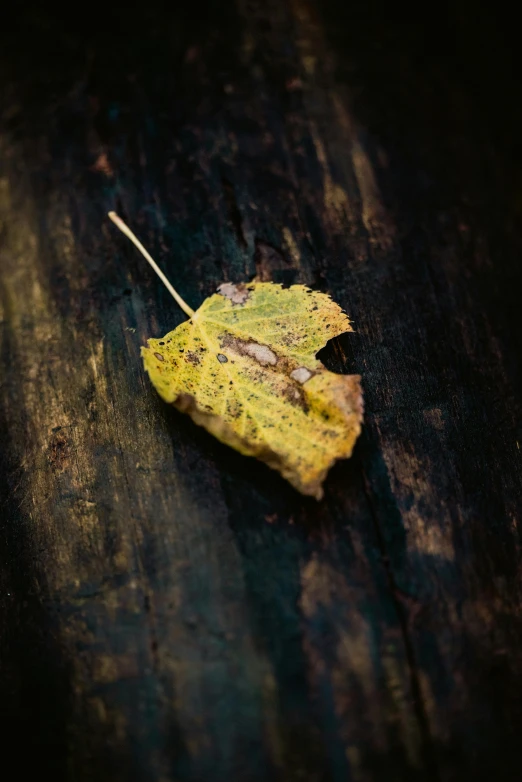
<point x="244" y="367"/>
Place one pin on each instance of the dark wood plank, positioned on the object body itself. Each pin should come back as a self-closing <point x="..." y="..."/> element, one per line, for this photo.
<point x="169" y="609"/>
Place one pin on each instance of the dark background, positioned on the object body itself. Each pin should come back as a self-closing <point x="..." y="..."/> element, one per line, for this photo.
<point x="171" y="610"/>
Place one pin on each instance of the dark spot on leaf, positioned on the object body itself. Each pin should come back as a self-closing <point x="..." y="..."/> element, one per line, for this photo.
<point x="159" y="356"/>
<point x="260" y="353"/>
<point x="221" y="358"/>
<point x="295" y="395"/>
<point x="192" y="358"/>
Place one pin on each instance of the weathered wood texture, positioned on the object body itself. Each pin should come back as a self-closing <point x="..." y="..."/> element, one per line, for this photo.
<point x="169" y="609"/>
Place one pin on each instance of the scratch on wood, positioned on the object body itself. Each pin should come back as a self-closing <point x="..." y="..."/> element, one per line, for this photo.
<point x="326" y="594"/>
<point x="291" y="244"/>
<point x="335" y="198"/>
<point x="427" y="522"/>
<point x="376" y="220"/>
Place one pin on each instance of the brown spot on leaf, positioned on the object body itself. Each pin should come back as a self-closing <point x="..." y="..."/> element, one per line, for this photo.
<point x="260" y="353"/>
<point x="234" y="408"/>
<point x="296" y="396"/>
<point x="222" y="359"/>
<point x="237" y="294"/>
<point x="192" y="358"/>
<point x="159" y="356"/>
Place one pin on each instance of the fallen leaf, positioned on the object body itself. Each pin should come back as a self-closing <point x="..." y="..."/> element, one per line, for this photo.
<point x="244" y="367"/>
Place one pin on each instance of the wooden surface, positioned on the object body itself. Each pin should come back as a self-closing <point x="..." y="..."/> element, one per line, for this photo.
<point x="171" y="611"/>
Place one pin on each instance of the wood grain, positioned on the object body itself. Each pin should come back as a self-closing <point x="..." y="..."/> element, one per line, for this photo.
<point x="171" y="610"/>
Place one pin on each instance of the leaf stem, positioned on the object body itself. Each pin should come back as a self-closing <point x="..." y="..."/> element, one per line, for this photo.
<point x="124" y="228"/>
